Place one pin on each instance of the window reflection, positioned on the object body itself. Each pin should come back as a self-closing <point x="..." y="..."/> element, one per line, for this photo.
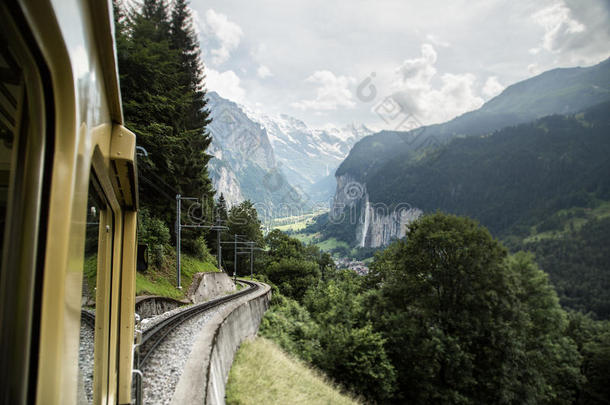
<point x="95" y="206"/>
<point x="12" y="121"/>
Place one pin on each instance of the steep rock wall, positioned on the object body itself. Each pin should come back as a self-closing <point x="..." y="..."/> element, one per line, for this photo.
<point x="376" y="224"/>
<point x="380" y="223"/>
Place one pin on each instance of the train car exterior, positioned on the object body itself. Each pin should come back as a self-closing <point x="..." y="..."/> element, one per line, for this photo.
<point x="68" y="196"/>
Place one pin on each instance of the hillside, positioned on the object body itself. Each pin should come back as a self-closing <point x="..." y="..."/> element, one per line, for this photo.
<point x="510" y="178"/>
<point x="283" y="378"/>
<point x="274" y="160"/>
<point x="576" y="258"/>
<point x="244" y="164"/>
<point x="558" y="91"/>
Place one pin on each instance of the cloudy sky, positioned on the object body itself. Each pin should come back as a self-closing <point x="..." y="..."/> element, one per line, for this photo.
<point x="366" y="61"/>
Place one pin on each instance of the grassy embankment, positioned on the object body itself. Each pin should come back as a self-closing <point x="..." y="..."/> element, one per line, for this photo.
<point x="158" y="281"/>
<point x="163" y="281"/>
<point x="281" y="380"/>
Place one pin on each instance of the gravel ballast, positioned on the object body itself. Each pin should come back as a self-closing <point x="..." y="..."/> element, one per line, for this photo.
<point x="164" y="366"/>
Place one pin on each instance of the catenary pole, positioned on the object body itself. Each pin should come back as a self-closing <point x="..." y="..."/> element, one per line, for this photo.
<point x="178" y="229"/>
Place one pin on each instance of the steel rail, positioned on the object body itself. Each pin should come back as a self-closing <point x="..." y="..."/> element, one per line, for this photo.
<point x="152" y="337"/>
<point x="88" y="318"/>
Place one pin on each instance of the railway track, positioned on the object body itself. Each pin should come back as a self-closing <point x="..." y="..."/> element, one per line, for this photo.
<point x="152" y="337"/>
<point x="88" y="318"/>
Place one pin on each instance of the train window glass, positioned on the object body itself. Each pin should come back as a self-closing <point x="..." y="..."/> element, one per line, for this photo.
<point x="12" y="122"/>
<point x="96" y="228"/>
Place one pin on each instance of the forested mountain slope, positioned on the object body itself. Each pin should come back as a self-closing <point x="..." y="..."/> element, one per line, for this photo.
<point x="558" y="91"/>
<point x="511" y="178"/>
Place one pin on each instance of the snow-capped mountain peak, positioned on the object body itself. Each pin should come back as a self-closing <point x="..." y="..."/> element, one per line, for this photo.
<point x="308" y="157"/>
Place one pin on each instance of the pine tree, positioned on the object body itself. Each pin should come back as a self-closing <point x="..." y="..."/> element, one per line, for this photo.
<point x="193" y="115"/>
<point x="155" y="11"/>
<point x="184" y="38"/>
<point x="164" y="104"/>
<point x="221" y="208"/>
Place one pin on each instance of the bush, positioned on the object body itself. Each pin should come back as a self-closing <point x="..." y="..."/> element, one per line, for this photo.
<point x="202" y="252"/>
<point x="289" y="325"/>
<point x="153" y="232"/>
<point x="293" y="276"/>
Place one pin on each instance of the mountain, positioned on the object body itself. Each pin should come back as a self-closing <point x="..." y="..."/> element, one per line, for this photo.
<point x="379" y="170"/>
<point x="512" y="178"/>
<point x="244" y="165"/>
<point x="309" y="157"/>
<point x="276" y="161"/>
<point x="543" y="187"/>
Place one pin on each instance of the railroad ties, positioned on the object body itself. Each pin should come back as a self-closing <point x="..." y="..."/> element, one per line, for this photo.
<point x="152" y="337"/>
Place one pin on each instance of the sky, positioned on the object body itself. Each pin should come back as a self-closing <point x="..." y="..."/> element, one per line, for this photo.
<point x="389" y="64"/>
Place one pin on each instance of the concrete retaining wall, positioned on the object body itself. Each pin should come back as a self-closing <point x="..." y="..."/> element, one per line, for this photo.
<point x="207" y="286"/>
<point x="206" y="372"/>
<point x="149" y="306"/>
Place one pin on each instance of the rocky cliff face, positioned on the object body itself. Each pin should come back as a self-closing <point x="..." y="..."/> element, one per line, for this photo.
<point x="376" y="224"/>
<point x="225" y="181"/>
<point x="244" y="165"/>
<point x="309" y="157"/>
<point x="274" y="160"/>
<point x="380" y="223"/>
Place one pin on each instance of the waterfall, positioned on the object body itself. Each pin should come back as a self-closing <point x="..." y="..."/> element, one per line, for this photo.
<point x="365" y="228"/>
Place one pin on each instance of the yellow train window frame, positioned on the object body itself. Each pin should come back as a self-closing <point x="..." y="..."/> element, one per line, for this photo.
<point x="107" y="320"/>
<point x="27" y="205"/>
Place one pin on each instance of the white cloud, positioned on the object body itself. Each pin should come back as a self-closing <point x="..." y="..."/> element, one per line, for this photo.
<point x="558" y="24"/>
<point x="417" y="96"/>
<point x="417" y="72"/>
<point x="333" y="92"/>
<point x="492" y="87"/>
<point x="437" y="41"/>
<point x="374" y="36"/>
<point x="196" y="21"/>
<point x="227" y="84"/>
<point x="533" y="68"/>
<point x="263" y="72"/>
<point x="226" y="32"/>
<point x="534" y="51"/>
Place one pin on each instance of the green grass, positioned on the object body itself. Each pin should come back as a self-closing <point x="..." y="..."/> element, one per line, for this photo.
<point x="575" y="218"/>
<point x="295" y="223"/>
<point x="163" y="282"/>
<point x="332" y="243"/>
<point x="90" y="273"/>
<point x="369" y="260"/>
<point x="263" y="374"/>
<point x="325" y="245"/>
<point x="305" y="237"/>
<point x="295" y="226"/>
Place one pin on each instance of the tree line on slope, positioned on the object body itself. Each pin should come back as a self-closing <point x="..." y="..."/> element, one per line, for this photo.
<point x="509" y="179"/>
<point x="516" y="182"/>
<point x="164" y="104"/>
<point x="445" y="316"/>
<point x="577" y="262"/>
